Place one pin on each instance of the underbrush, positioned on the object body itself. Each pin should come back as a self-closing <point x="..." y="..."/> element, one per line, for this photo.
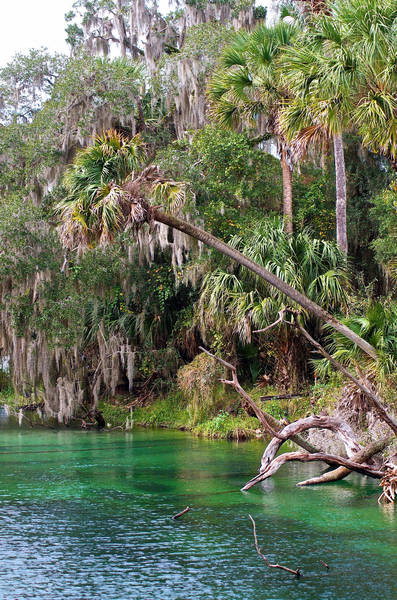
<point x="220" y="415"/>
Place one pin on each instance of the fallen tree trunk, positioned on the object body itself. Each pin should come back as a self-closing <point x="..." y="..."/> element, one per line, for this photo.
<point x="213" y="242"/>
<point x="306" y="457"/>
<point x="342" y="472"/>
<point x="315" y="422"/>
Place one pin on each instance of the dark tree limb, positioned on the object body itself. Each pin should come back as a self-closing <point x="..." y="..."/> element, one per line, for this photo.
<point x="295" y="572"/>
<point x="268" y="422"/>
<point x="281" y="396"/>
<point x="306" y="457"/>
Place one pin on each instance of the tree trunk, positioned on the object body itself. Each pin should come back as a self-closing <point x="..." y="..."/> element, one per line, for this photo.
<point x="287" y="193"/>
<point x="121" y="29"/>
<point x="213" y="242"/>
<point x="340" y="174"/>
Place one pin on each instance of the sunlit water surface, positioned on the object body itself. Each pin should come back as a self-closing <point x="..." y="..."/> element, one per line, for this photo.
<point x="87" y="516"/>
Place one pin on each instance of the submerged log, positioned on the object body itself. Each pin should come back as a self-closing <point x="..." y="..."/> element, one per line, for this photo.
<point x="181" y="513"/>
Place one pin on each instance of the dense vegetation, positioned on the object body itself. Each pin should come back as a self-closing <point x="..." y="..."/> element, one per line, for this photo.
<point x="199" y="115"/>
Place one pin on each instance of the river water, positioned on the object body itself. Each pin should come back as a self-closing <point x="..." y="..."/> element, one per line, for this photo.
<point x="87" y="516"/>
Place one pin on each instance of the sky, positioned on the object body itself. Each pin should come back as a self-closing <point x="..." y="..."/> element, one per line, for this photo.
<point x="39" y="23"/>
<point x="32" y="24"/>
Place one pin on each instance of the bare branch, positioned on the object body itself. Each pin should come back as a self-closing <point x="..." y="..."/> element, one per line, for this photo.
<point x="306" y="457"/>
<point x="372" y="395"/>
<point x="280" y="319"/>
<point x="295" y="572"/>
<point x="342" y="472"/>
<point x="183" y="512"/>
<point x="268" y="422"/>
<point x="315" y="422"/>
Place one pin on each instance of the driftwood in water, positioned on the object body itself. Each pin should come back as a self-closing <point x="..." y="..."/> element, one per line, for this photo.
<point x="343" y="430"/>
<point x="295" y="572"/>
<point x="274" y="466"/>
<point x="342" y="472"/>
<point x="181" y="513"/>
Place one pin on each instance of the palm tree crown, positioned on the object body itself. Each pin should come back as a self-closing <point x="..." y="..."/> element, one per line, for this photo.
<point x="248" y="90"/>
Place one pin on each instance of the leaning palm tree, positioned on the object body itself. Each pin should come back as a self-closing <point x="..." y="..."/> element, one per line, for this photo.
<point x="244" y="303"/>
<point x="247" y="90"/>
<point x="147" y="196"/>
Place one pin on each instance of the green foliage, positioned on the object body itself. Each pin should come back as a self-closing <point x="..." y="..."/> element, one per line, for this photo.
<point x="341" y="73"/>
<point x="169" y="411"/>
<point x="115" y="416"/>
<point x="379" y="327"/>
<point x="385" y="213"/>
<point x="260" y="12"/>
<point x="314" y="196"/>
<point x="317" y="268"/>
<point x="232" y="180"/>
<point x="227" y="426"/>
<point x="26" y="82"/>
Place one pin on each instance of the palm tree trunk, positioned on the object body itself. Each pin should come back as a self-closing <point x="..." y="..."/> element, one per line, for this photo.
<point x="340" y="174"/>
<point x="213" y="242"/>
<point x="287" y="193"/>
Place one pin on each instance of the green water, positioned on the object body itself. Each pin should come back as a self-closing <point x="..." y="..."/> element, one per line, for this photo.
<point x="87" y="516"/>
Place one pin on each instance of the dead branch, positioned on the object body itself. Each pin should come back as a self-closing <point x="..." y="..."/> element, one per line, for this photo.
<point x="372" y="395"/>
<point x="315" y="422"/>
<point x="280" y="319"/>
<point x="342" y="472"/>
<point x="268" y="422"/>
<point x="281" y="396"/>
<point x="306" y="457"/>
<point x="181" y="513"/>
<point x="234" y="382"/>
<point x="295" y="572"/>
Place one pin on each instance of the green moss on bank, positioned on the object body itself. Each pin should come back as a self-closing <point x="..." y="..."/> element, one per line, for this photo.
<point x="222" y="417"/>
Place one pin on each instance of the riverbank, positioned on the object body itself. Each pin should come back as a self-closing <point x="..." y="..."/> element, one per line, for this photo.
<point x="221" y="418"/>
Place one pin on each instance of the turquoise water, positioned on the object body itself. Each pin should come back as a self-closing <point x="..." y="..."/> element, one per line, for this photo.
<point x="87" y="516"/>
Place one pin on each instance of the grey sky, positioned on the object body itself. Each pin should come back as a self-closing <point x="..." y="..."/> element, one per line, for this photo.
<point x="32" y="24"/>
<point x="36" y="23"/>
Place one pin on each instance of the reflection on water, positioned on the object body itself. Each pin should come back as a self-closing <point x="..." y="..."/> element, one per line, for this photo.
<point x="87" y="516"/>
